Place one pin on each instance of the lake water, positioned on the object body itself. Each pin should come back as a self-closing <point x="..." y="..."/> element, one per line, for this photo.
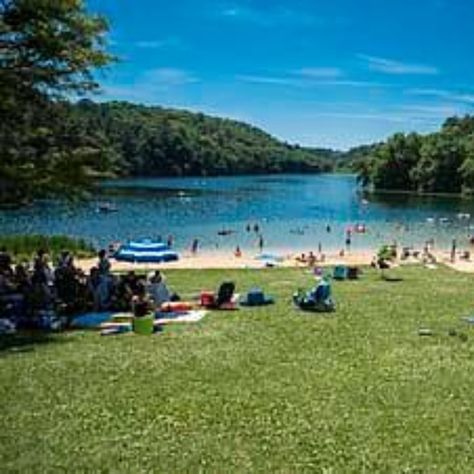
<point x="291" y="210"/>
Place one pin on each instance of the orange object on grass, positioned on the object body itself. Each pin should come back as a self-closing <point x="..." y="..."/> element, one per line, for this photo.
<point x="172" y="306"/>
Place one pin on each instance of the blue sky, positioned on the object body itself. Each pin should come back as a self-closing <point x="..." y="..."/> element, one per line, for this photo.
<point x="332" y="73"/>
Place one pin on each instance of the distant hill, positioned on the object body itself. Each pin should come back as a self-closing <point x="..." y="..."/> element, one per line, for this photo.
<point x="155" y="141"/>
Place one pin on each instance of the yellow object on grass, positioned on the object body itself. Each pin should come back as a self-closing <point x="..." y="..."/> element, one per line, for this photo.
<point x="122" y="318"/>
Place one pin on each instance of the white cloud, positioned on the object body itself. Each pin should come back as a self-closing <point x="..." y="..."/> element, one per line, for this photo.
<point x="409" y="114"/>
<point x="168" y="77"/>
<point x="468" y="98"/>
<point x="380" y="116"/>
<point x="352" y="83"/>
<point x="431" y="110"/>
<point x="427" y="92"/>
<point x="150" y="87"/>
<point x="463" y="97"/>
<point x="320" y="72"/>
<point x="270" y="80"/>
<point x="149" y="44"/>
<point x="275" y="16"/>
<point x="172" y="42"/>
<point x="307" y="81"/>
<point x="390" y="66"/>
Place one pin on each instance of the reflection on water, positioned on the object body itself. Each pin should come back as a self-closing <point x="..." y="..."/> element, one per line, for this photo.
<point x="293" y="212"/>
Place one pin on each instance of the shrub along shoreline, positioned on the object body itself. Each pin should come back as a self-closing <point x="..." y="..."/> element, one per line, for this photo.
<point x="24" y="247"/>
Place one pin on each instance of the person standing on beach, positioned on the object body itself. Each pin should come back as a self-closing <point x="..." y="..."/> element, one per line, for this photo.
<point x="260" y="243"/>
<point x="453" y="251"/>
<point x="194" y="246"/>
<point x="348" y="239"/>
<point x="169" y="241"/>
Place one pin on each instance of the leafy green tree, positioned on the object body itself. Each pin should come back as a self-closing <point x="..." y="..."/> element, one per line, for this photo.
<point x="394" y="161"/>
<point x="48" y="48"/>
<point x="439" y="162"/>
<point x="467" y="168"/>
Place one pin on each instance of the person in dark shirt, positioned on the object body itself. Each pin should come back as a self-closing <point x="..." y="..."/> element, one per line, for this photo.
<point x="5" y="262"/>
<point x="141" y="303"/>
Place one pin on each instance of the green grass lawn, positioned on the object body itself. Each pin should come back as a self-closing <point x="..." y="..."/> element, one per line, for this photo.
<point x="257" y="390"/>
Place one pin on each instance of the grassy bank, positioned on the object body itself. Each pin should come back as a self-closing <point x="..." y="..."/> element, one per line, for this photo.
<point x="258" y="390"/>
<point x="25" y="246"/>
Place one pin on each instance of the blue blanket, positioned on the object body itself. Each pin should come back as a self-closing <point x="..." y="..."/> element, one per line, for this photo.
<point x="91" y="320"/>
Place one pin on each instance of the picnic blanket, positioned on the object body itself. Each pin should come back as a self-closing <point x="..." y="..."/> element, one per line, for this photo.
<point x="91" y="320"/>
<point x="192" y="316"/>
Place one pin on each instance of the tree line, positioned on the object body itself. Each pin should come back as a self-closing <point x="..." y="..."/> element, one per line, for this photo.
<point x="441" y="162"/>
<point x="62" y="148"/>
<point x="155" y="141"/>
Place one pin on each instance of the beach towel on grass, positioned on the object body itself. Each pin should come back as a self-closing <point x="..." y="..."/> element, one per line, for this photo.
<point x="114" y="325"/>
<point x="122" y="317"/>
<point x="161" y="318"/>
<point x="91" y="320"/>
<point x="184" y="317"/>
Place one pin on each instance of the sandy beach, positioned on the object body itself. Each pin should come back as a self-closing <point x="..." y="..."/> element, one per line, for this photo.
<point x="226" y="260"/>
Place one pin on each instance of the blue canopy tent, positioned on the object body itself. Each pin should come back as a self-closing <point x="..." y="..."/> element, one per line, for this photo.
<point x="145" y="251"/>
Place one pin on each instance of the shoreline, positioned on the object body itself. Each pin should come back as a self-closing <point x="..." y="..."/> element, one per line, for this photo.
<point x="407" y="192"/>
<point x="220" y="260"/>
<point x="286" y="258"/>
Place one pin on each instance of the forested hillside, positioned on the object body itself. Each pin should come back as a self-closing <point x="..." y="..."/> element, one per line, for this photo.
<point x="62" y="148"/>
<point x="154" y="141"/>
<point x="441" y="162"/>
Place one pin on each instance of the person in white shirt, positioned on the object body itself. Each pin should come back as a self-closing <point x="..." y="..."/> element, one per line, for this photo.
<point x="157" y="289"/>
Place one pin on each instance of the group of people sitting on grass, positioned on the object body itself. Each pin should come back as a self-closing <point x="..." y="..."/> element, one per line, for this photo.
<point x="29" y="289"/>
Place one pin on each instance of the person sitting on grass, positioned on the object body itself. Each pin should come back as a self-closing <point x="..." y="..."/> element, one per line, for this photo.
<point x="67" y="283"/>
<point x="157" y="289"/>
<point x="41" y="270"/>
<point x="6" y="285"/>
<point x="131" y="281"/>
<point x="5" y="262"/>
<point x="22" y="279"/>
<point x="141" y="302"/>
<point x="42" y="280"/>
<point x="92" y="286"/>
<point x="105" y="281"/>
<point x="124" y="289"/>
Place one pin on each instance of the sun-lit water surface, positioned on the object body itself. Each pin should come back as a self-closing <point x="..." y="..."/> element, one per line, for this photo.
<point x="291" y="210"/>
